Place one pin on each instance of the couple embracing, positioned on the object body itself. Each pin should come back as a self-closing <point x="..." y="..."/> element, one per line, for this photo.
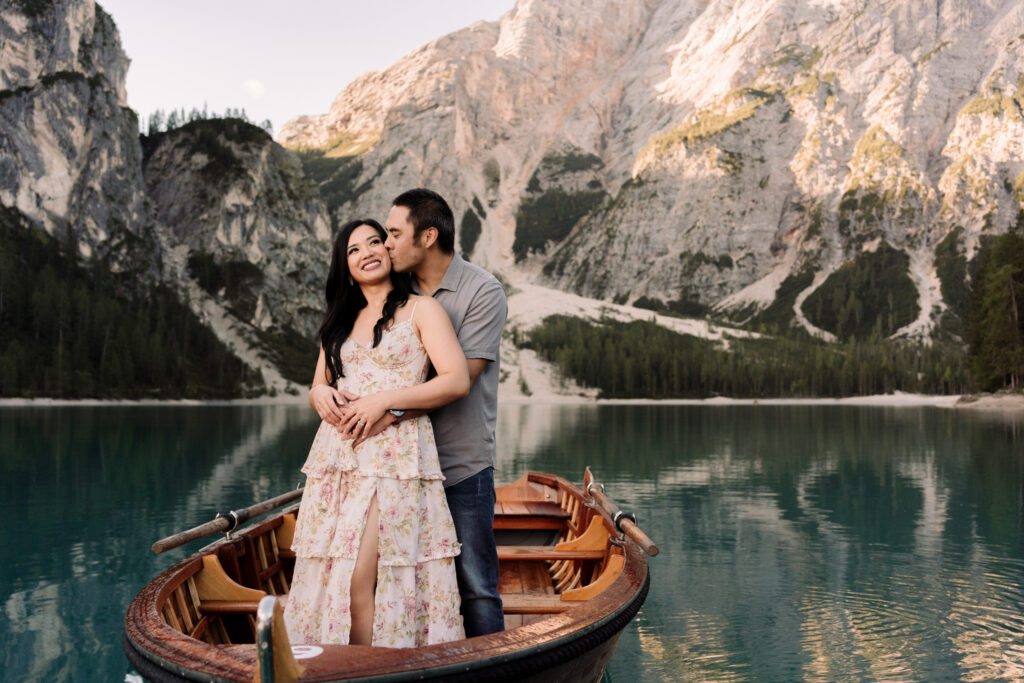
<point x="394" y="541"/>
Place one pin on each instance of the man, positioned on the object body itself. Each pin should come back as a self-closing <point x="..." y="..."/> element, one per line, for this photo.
<point x="421" y="241"/>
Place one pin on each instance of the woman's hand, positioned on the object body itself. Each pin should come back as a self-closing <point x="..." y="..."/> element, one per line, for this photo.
<point x="363" y="413"/>
<point x="329" y="404"/>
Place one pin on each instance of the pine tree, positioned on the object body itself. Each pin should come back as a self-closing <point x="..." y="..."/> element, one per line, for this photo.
<point x="996" y="331"/>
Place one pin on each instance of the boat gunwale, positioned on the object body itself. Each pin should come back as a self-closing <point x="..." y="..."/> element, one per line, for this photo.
<point x="162" y="645"/>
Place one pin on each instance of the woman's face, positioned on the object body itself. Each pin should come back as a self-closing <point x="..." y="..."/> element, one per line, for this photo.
<point x="368" y="260"/>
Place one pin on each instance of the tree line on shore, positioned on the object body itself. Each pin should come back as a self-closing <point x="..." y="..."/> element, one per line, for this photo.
<point x="74" y="330"/>
<point x="641" y="359"/>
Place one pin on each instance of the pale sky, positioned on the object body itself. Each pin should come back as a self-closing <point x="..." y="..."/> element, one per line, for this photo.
<point x="274" y="59"/>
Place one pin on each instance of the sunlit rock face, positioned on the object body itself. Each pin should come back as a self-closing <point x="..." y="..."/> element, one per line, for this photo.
<point x="242" y="220"/>
<point x="712" y="153"/>
<point x="69" y="151"/>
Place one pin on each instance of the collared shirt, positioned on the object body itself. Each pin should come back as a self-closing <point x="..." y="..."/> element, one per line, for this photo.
<point x="464" y="429"/>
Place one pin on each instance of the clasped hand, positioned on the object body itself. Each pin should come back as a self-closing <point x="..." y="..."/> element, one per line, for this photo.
<point x="353" y="416"/>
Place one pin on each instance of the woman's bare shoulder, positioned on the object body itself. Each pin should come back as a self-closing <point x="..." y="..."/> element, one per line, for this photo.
<point x="415" y="306"/>
<point x="427" y="310"/>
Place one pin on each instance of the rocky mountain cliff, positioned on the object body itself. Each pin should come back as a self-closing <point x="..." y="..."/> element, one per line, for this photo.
<point x="764" y="159"/>
<point x="69" y="151"/>
<point x="246" y="228"/>
<point x="214" y="210"/>
<point x="826" y="164"/>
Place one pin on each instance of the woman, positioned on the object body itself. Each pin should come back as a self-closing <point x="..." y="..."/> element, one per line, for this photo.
<point x="374" y="541"/>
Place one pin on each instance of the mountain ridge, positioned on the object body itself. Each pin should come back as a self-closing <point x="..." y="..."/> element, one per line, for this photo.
<point x="822" y="168"/>
<point x="742" y="142"/>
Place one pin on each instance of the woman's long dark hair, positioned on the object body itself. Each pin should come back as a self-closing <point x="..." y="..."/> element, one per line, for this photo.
<point x="345" y="299"/>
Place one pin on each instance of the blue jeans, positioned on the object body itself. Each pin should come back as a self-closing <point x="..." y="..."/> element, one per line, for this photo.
<point x="472" y="504"/>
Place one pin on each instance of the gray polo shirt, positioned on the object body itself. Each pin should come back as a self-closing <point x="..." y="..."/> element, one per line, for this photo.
<point x="464" y="430"/>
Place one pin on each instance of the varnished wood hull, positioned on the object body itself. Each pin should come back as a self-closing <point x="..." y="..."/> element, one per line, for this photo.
<point x="573" y="643"/>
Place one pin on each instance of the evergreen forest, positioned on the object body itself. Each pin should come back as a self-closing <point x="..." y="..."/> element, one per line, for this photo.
<point x="641" y="359"/>
<point x="995" y="331"/>
<point x="78" y="331"/>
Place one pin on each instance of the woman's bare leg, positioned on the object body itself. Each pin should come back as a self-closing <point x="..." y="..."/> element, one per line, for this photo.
<point x="364" y="580"/>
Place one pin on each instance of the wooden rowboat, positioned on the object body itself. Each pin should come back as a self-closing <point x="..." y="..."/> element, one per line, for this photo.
<point x="572" y="577"/>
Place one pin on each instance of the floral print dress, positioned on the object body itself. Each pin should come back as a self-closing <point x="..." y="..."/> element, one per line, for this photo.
<point x="417" y="596"/>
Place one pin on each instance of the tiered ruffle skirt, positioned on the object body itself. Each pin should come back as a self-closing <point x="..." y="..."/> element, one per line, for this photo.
<point x="417" y="598"/>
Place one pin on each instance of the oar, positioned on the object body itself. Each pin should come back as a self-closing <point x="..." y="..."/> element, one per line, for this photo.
<point x="625" y="521"/>
<point x="226" y="521"/>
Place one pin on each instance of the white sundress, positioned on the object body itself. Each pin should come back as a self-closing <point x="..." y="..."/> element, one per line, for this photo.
<point x="417" y="596"/>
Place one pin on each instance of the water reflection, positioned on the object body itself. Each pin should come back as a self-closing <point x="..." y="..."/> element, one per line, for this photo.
<point x="798" y="542"/>
<point x="814" y="543"/>
<point x="85" y="491"/>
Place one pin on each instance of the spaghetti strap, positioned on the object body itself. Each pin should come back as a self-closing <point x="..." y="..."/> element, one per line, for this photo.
<point x="413" y="311"/>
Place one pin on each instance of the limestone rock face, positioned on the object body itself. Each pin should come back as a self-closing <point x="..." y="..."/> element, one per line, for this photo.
<point x="242" y="220"/>
<point x="69" y="152"/>
<point x="223" y="215"/>
<point x="701" y="153"/>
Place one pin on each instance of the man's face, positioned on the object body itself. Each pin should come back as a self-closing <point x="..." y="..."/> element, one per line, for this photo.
<point x="406" y="252"/>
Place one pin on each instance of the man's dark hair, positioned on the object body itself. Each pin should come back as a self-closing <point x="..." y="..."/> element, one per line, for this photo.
<point x="429" y="209"/>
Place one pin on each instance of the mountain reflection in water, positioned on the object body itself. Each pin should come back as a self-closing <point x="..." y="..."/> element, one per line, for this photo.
<point x="814" y="543"/>
<point x="799" y="542"/>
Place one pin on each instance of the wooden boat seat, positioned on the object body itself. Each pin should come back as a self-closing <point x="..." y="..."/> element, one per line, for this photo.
<point x="529" y="515"/>
<point x="528" y="523"/>
<point x="533" y="603"/>
<point x="529" y="508"/>
<point x="546" y="552"/>
<point x="228" y="606"/>
<point x="542" y="600"/>
<point x="591" y="546"/>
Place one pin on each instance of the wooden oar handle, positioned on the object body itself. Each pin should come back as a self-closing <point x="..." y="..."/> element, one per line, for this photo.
<point x="639" y="537"/>
<point x="224" y="521"/>
<point x="626" y="522"/>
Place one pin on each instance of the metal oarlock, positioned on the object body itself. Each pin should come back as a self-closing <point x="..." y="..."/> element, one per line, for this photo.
<point x="225" y="521"/>
<point x="621" y="515"/>
<point x="625" y="522"/>
<point x="233" y="516"/>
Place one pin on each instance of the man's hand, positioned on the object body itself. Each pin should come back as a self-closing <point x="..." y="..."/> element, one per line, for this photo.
<point x="376" y="428"/>
<point x="364" y="412"/>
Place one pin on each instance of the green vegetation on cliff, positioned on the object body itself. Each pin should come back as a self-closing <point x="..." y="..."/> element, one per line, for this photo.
<point x="551" y="216"/>
<point x="714" y="120"/>
<point x="779" y="314"/>
<point x="469" y="232"/>
<point x="77" y="331"/>
<point x="239" y="280"/>
<point x="335" y="176"/>
<point x="870" y="296"/>
<point x="951" y="267"/>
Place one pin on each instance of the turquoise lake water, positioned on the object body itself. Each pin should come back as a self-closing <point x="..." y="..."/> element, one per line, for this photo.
<point x="816" y="543"/>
